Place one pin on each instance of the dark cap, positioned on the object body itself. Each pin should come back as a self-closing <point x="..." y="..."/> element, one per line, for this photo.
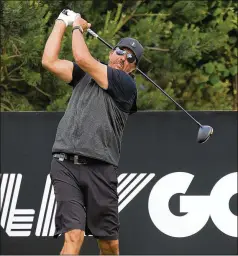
<point x="133" y="45"/>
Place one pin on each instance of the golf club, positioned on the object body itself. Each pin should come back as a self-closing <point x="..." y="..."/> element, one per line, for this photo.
<point x="204" y="132"/>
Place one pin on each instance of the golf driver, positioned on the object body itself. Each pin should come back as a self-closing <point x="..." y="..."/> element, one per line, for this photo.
<point x="204" y="132"/>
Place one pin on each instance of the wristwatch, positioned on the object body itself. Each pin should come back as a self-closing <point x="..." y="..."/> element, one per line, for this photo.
<point x="77" y="27"/>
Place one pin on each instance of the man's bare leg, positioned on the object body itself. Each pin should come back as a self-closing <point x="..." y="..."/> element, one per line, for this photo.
<point x="73" y="241"/>
<point x="108" y="247"/>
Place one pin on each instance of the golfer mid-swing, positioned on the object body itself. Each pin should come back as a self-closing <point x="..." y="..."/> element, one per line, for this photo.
<point x="87" y="145"/>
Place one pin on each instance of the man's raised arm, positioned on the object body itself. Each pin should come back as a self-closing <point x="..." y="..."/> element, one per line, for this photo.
<point x="83" y="57"/>
<point x="50" y="59"/>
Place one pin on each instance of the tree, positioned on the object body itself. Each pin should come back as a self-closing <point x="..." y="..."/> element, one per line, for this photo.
<point x="190" y="37"/>
<point x="190" y="51"/>
<point x="22" y="36"/>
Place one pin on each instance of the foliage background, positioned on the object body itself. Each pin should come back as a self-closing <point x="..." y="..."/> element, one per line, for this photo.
<point x="190" y="51"/>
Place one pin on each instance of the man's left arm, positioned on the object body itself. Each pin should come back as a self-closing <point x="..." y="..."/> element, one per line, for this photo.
<point x="83" y="58"/>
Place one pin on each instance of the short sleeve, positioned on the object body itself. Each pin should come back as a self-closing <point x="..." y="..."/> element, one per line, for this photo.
<point x="77" y="75"/>
<point x="122" y="88"/>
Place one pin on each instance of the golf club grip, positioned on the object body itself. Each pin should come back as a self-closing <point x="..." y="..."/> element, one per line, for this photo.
<point x="91" y="32"/>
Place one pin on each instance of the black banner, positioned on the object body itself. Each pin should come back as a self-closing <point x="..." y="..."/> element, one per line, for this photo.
<point x="175" y="196"/>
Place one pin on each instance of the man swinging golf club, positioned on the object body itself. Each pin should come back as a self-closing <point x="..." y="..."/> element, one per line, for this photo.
<point x="87" y="145"/>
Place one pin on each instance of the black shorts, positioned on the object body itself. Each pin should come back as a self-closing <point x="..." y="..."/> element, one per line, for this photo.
<point x="86" y="197"/>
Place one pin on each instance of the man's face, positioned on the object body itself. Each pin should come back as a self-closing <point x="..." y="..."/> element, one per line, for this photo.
<point x="120" y="61"/>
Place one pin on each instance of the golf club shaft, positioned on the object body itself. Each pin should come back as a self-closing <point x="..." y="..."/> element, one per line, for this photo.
<point x="142" y="73"/>
<point x="166" y="94"/>
<point x="90" y="31"/>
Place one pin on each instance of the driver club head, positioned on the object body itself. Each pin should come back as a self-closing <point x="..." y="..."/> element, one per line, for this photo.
<point x="204" y="133"/>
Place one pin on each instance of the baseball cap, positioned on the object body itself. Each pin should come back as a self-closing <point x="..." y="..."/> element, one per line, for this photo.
<point x="133" y="45"/>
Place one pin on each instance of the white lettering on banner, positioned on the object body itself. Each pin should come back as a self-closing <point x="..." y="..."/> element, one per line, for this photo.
<point x="129" y="185"/>
<point x="133" y="189"/>
<point x="198" y="208"/>
<point x="14" y="218"/>
<point x="220" y="196"/>
<point x="48" y="207"/>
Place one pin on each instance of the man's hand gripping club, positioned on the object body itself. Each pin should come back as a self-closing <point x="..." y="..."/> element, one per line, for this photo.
<point x="70" y="17"/>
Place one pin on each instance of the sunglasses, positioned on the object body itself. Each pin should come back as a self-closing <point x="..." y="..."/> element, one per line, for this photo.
<point x="130" y="57"/>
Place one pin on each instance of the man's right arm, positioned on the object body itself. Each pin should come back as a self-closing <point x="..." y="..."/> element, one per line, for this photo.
<point x="50" y="61"/>
<point x="122" y="88"/>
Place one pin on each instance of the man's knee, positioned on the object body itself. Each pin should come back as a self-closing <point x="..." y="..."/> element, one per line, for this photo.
<point x="74" y="236"/>
<point x="108" y="247"/>
<point x="72" y="242"/>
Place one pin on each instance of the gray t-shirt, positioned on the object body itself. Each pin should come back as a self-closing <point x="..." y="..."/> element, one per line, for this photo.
<point x="95" y="118"/>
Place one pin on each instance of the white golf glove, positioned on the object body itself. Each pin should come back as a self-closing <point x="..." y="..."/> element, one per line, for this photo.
<point x="68" y="16"/>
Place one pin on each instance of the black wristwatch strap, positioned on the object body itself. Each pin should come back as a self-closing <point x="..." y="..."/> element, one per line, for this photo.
<point x="77" y="27"/>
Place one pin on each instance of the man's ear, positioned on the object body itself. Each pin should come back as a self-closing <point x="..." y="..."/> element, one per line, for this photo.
<point x="133" y="68"/>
